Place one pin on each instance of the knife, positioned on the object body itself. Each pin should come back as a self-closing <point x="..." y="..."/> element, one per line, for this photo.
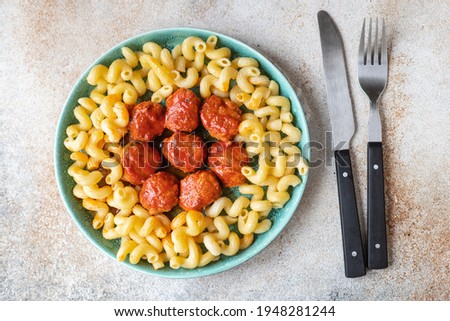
<point x="343" y="127"/>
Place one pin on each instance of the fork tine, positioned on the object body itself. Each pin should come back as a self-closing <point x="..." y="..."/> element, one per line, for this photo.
<point x="383" y="58"/>
<point x="376" y="58"/>
<point x="369" y="45"/>
<point x="361" y="53"/>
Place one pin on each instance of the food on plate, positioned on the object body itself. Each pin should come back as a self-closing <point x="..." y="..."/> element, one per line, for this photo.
<point x="226" y="159"/>
<point x="119" y="173"/>
<point x="182" y="111"/>
<point x="221" y="117"/>
<point x="140" y="160"/>
<point x="146" y="121"/>
<point x="159" y="193"/>
<point x="187" y="152"/>
<point x="199" y="190"/>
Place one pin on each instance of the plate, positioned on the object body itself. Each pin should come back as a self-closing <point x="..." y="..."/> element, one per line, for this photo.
<point x="83" y="218"/>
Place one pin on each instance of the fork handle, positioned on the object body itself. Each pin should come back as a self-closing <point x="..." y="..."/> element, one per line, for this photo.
<point x="351" y="234"/>
<point x="376" y="219"/>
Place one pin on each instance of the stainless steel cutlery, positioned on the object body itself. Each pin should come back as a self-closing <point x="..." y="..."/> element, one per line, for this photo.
<point x="372" y="63"/>
<point x="343" y="127"/>
<point x="372" y="75"/>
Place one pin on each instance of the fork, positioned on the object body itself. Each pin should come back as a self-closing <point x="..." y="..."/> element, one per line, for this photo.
<point x="372" y="75"/>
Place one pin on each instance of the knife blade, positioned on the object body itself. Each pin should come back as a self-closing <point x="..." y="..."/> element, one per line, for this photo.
<point x="343" y="128"/>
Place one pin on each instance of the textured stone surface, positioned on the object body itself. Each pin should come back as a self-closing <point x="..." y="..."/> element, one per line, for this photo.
<point x="46" y="47"/>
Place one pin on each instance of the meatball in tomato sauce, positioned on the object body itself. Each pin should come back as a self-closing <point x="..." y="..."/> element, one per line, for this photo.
<point x="221" y="117"/>
<point x="187" y="152"/>
<point x="146" y="121"/>
<point x="182" y="111"/>
<point x="139" y="161"/>
<point x="159" y="193"/>
<point x="226" y="159"/>
<point x="198" y="190"/>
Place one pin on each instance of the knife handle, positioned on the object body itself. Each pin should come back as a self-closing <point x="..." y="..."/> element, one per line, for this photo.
<point x="351" y="234"/>
<point x="376" y="219"/>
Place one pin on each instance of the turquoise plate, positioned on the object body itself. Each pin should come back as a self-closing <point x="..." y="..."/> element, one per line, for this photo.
<point x="169" y="38"/>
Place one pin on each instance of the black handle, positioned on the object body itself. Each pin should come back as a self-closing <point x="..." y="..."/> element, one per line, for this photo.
<point x="351" y="234"/>
<point x="376" y="219"/>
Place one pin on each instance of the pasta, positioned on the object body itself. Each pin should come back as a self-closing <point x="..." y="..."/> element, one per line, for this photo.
<point x="101" y="209"/>
<point x="153" y="49"/>
<point x="160" y="71"/>
<point x="180" y="64"/>
<point x="130" y="57"/>
<point x="261" y="174"/>
<point x="225" y="76"/>
<point x="242" y="78"/>
<point x="191" y="239"/>
<point x="190" y="46"/>
<point x="126" y="90"/>
<point x="189" y="262"/>
<point x="205" y="85"/>
<point x="215" y="67"/>
<point x="198" y="62"/>
<point x="251" y="128"/>
<point x="233" y="209"/>
<point x="214" y="53"/>
<point x="247" y="222"/>
<point x="138" y="82"/>
<point x="189" y="81"/>
<point x="258" y="97"/>
<point x="119" y="68"/>
<point x="161" y="93"/>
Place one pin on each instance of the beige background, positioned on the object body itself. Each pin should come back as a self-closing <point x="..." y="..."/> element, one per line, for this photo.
<point x="45" y="47"/>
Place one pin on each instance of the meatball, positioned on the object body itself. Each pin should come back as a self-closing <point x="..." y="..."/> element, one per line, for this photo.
<point x="186" y="152"/>
<point x="198" y="190"/>
<point x="139" y="162"/>
<point x="221" y="117"/>
<point x="159" y="193"/>
<point x="182" y="108"/>
<point x="226" y="159"/>
<point x="147" y="121"/>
